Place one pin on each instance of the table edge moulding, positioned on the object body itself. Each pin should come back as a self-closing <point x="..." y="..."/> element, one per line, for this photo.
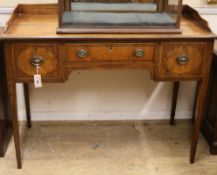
<point x="30" y="40"/>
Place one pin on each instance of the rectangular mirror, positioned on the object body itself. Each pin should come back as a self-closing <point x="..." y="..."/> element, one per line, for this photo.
<point x="119" y="16"/>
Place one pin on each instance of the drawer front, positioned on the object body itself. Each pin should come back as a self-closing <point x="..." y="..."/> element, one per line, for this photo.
<point x="111" y="52"/>
<point x="27" y="56"/>
<point x="182" y="60"/>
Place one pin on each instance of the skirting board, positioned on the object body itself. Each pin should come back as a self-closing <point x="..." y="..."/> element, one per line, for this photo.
<point x="102" y="122"/>
<point x="92" y="116"/>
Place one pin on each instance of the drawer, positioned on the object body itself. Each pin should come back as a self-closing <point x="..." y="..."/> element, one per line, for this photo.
<point x="183" y="60"/>
<point x="111" y="52"/>
<point x="26" y="55"/>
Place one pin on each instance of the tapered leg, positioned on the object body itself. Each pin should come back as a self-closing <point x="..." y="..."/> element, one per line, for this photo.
<point x="200" y="106"/>
<point x="11" y="85"/>
<point x="201" y="100"/>
<point x="15" y="124"/>
<point x="195" y="103"/>
<point x="176" y="86"/>
<point x="27" y="103"/>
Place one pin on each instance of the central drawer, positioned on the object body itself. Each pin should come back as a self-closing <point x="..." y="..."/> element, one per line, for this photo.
<point x="111" y="52"/>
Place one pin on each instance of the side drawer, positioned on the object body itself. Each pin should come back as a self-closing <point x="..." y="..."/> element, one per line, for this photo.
<point x="182" y="60"/>
<point x="111" y="52"/>
<point x="24" y="55"/>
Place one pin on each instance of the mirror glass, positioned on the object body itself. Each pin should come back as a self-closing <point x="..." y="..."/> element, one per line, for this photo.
<point x="105" y="13"/>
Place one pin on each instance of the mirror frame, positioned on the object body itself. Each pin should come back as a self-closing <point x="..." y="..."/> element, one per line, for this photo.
<point x="116" y="30"/>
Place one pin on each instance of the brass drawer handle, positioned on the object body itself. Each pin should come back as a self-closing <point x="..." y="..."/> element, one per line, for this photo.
<point x="182" y="60"/>
<point x="139" y="53"/>
<point x="83" y="53"/>
<point x="37" y="61"/>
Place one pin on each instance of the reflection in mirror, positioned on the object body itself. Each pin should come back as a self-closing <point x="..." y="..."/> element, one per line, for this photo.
<point x="118" y="13"/>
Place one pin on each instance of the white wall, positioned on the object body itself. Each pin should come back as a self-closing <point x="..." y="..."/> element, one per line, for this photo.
<point x="105" y="95"/>
<point x="108" y="95"/>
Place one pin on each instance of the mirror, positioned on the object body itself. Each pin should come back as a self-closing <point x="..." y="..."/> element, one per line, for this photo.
<point x="120" y="13"/>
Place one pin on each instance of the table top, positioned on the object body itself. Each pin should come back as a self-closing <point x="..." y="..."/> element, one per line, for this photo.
<point x="41" y="22"/>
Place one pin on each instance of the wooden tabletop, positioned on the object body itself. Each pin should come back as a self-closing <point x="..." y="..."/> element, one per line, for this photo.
<point x="42" y="24"/>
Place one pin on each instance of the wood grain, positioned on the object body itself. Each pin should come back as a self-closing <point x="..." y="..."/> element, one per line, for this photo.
<point x="111" y="52"/>
<point x="23" y="53"/>
<point x="171" y="51"/>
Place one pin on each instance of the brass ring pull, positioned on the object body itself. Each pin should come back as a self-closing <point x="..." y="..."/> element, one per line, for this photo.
<point x="139" y="53"/>
<point x="37" y="61"/>
<point x="182" y="60"/>
<point x="83" y="53"/>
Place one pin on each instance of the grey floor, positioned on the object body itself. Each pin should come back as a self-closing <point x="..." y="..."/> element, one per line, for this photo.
<point x="92" y="149"/>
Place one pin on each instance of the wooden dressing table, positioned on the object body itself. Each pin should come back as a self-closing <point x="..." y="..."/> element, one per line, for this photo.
<point x="31" y="33"/>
